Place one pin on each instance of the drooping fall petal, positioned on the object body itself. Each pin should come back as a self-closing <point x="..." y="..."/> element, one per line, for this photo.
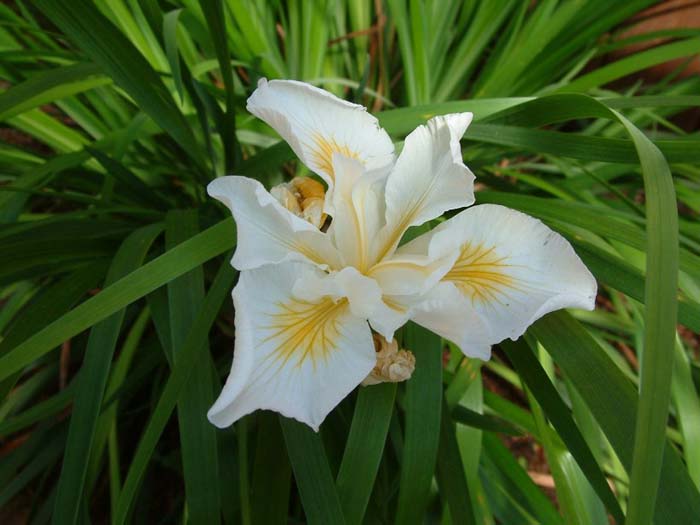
<point x="511" y="268"/>
<point x="294" y="356"/>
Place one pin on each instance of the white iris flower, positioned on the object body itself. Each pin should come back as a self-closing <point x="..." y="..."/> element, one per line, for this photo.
<point x="317" y="304"/>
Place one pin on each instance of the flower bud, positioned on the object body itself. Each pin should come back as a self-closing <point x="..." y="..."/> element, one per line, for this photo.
<point x="393" y="365"/>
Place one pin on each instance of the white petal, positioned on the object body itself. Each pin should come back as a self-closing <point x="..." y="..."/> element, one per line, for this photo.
<point x="512" y="269"/>
<point x="391" y="316"/>
<point x="405" y="279"/>
<point x="317" y="124"/>
<point x="295" y="357"/>
<point x="428" y="179"/>
<point x="411" y="274"/>
<point x="445" y="311"/>
<point x="357" y="207"/>
<point x="267" y="232"/>
<point x="363" y="294"/>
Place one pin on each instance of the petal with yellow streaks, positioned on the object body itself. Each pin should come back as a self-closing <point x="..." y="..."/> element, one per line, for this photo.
<point x="296" y="356"/>
<point x="511" y="269"/>
<point x="317" y="124"/>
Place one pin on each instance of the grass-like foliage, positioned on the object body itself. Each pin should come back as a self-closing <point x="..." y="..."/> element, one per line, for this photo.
<point x="116" y="323"/>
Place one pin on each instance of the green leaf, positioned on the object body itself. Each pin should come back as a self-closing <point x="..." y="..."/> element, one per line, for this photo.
<point x="633" y="63"/>
<point x="47" y="247"/>
<point x="163" y="269"/>
<point x="171" y="49"/>
<point x="272" y="474"/>
<point x="450" y="473"/>
<point x="22" y="395"/>
<point x="661" y="284"/>
<point x="241" y="427"/>
<point x="621" y="275"/>
<point x="136" y="188"/>
<point x="312" y="473"/>
<point x="92" y="382"/>
<point x="473" y="419"/>
<point x="687" y="402"/>
<point x="516" y="484"/>
<point x="38" y="412"/>
<point x="107" y="422"/>
<point x="466" y="392"/>
<point x="578" y="146"/>
<point x="613" y="401"/>
<point x="190" y="355"/>
<point x="588" y="217"/>
<point x="488" y="19"/>
<point x="42" y="461"/>
<point x="197" y="435"/>
<point x="534" y="376"/>
<point x="214" y="15"/>
<point x="48" y="305"/>
<point x="401" y="121"/>
<point x="422" y="404"/>
<point x="661" y="306"/>
<point x="577" y="501"/>
<point x="50" y="86"/>
<point x="364" y="448"/>
<point x="117" y="56"/>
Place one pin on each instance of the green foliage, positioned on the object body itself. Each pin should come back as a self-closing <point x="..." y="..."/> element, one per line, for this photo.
<point x="115" y="319"/>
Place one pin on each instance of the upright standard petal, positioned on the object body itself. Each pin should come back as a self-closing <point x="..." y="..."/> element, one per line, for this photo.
<point x="317" y="124"/>
<point x="267" y="232"/>
<point x="428" y="179"/>
<point x="511" y="269"/>
<point x="294" y="356"/>
<point x="357" y="207"/>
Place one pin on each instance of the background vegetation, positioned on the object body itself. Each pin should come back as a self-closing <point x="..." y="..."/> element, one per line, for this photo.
<point x="116" y="319"/>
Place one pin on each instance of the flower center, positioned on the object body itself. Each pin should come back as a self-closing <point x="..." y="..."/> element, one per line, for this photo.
<point x="304" y="197"/>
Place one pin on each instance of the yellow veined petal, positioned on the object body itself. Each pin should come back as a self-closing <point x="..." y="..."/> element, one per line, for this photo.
<point x="294" y="356"/>
<point x="511" y="269"/>
<point x="317" y="124"/>
<point x="363" y="294"/>
<point x="302" y="330"/>
<point x="481" y="273"/>
<point x="322" y="151"/>
<point x="411" y="274"/>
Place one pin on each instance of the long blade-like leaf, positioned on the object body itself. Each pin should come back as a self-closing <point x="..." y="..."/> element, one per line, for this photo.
<point x="423" y="403"/>
<point x="92" y="382"/>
